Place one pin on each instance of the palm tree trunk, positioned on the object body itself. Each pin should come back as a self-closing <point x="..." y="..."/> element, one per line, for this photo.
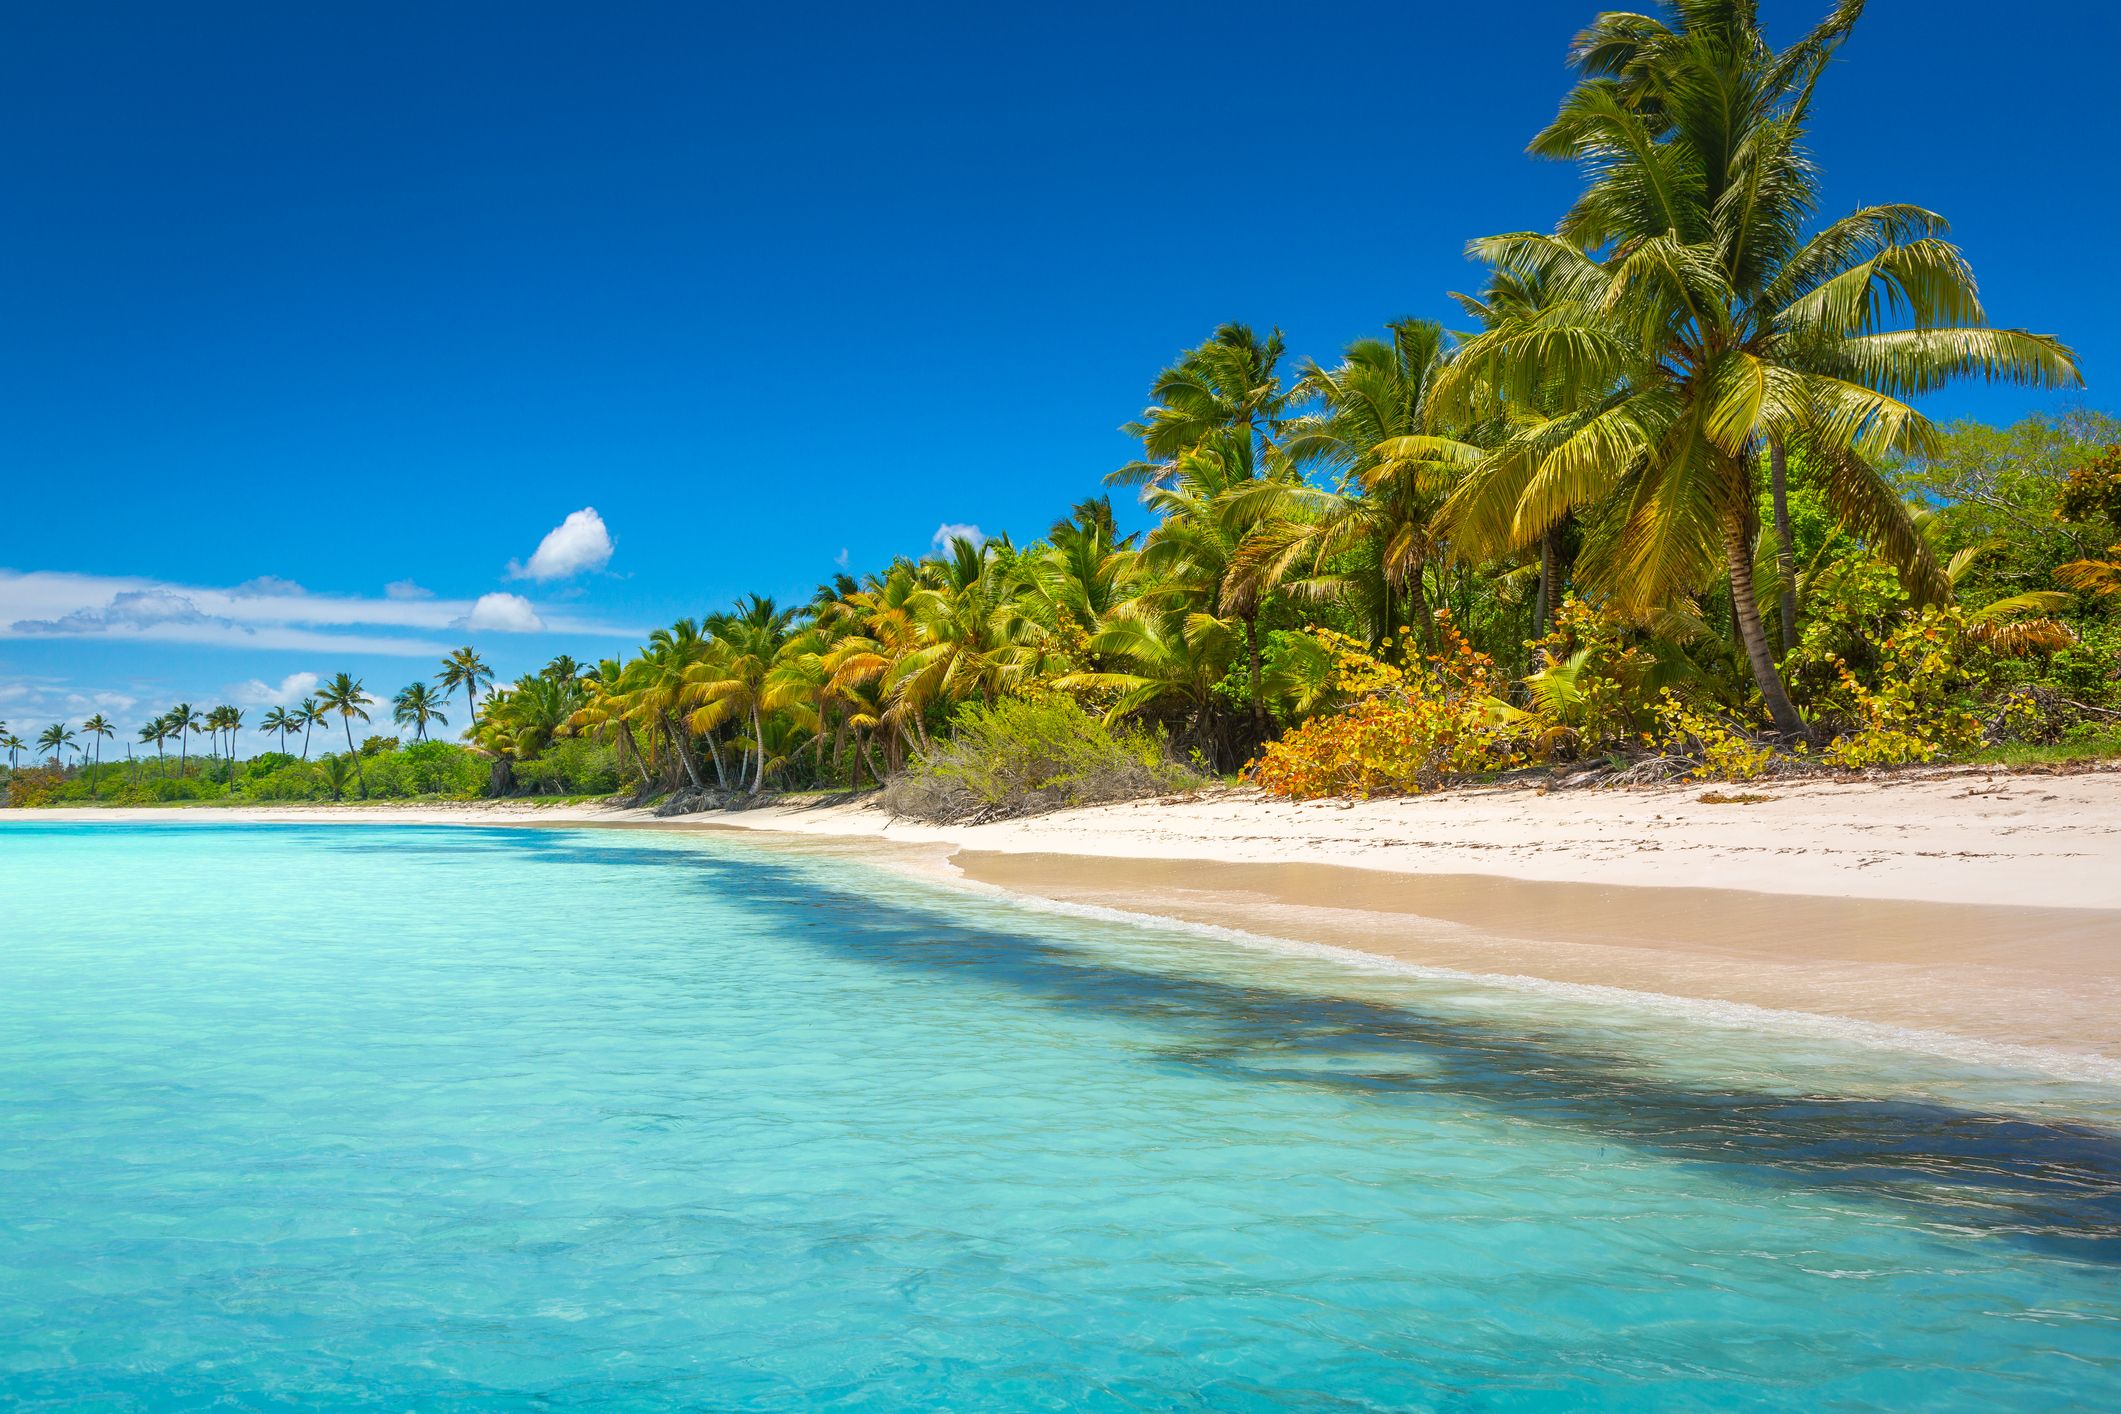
<point x="758" y="747"/>
<point x="679" y="745"/>
<point x="359" y="775"/>
<point x="471" y="703"/>
<point x="1259" y="705"/>
<point x="1738" y="557"/>
<point x="1785" y="552"/>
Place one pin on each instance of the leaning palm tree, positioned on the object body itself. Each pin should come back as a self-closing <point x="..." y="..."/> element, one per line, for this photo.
<point x="464" y="668"/>
<point x="344" y="697"/>
<point x="97" y="727"/>
<point x="415" y="707"/>
<point x="311" y="715"/>
<point x="55" y="739"/>
<point x="1694" y="322"/>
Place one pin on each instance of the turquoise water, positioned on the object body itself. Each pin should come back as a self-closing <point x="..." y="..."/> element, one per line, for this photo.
<point x="404" y="1118"/>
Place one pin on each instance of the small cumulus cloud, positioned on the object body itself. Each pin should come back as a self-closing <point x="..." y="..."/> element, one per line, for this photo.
<point x="258" y="693"/>
<point x="579" y="543"/>
<point x="841" y="558"/>
<point x="506" y="613"/>
<point x="949" y="531"/>
<point x="266" y="585"/>
<point x="406" y="589"/>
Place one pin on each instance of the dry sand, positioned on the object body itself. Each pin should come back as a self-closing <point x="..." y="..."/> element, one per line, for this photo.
<point x="1979" y="906"/>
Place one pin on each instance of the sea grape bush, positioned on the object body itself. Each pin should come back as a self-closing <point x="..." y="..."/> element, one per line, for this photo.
<point x="1408" y="727"/>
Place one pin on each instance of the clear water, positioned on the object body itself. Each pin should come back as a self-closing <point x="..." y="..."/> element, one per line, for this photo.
<point x="408" y="1119"/>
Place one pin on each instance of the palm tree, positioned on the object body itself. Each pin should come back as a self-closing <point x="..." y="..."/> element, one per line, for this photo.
<point x="1230" y="384"/>
<point x="277" y="723"/>
<point x="335" y="774"/>
<point x="12" y="745"/>
<point x="1693" y="322"/>
<point x="731" y="684"/>
<point x="55" y="739"/>
<point x="155" y="730"/>
<point x="344" y="696"/>
<point x="182" y="720"/>
<point x="415" y="707"/>
<point x="310" y="715"/>
<point x="464" y="668"/>
<point x="1371" y="433"/>
<point x="97" y="727"/>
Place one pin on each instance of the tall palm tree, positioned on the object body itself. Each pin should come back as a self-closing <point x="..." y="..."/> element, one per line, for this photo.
<point x="183" y="719"/>
<point x="415" y="707"/>
<point x="98" y="727"/>
<point x="310" y="715"/>
<point x="464" y="668"/>
<point x="344" y="696"/>
<point x="55" y="739"/>
<point x="1694" y="321"/>
<point x="12" y="745"/>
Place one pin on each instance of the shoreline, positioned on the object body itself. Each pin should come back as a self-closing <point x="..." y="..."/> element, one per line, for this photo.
<point x="1982" y="908"/>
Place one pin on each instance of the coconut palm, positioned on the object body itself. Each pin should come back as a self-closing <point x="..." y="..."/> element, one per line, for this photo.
<point x="730" y="684"/>
<point x="336" y="773"/>
<point x="277" y="723"/>
<point x="1229" y="385"/>
<point x="310" y="715"/>
<point x="415" y="707"/>
<point x="344" y="697"/>
<point x="464" y="668"/>
<point x="98" y="727"/>
<point x="1694" y="322"/>
<point x="12" y="745"/>
<point x="182" y="720"/>
<point x="56" y="739"/>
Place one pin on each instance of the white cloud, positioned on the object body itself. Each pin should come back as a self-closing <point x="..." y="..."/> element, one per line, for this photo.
<point x="841" y="558"/>
<point x="577" y="543"/>
<point x="509" y="613"/>
<point x="54" y="604"/>
<point x="406" y="589"/>
<point x="257" y="693"/>
<point x="268" y="584"/>
<point x="949" y="531"/>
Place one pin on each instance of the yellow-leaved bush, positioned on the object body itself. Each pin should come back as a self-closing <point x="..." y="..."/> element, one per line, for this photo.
<point x="1406" y="729"/>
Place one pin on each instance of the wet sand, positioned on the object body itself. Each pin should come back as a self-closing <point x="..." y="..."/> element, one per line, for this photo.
<point x="2010" y="975"/>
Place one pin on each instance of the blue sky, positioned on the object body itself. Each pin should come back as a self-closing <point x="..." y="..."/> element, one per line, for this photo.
<point x="299" y="303"/>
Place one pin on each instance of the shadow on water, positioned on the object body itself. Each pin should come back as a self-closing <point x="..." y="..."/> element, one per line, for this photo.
<point x="2050" y="1185"/>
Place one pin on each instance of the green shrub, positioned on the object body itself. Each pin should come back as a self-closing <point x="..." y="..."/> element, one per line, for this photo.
<point x="1025" y="756"/>
<point x="570" y="766"/>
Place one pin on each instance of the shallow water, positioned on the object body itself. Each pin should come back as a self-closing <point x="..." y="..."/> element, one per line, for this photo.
<point x="398" y="1117"/>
